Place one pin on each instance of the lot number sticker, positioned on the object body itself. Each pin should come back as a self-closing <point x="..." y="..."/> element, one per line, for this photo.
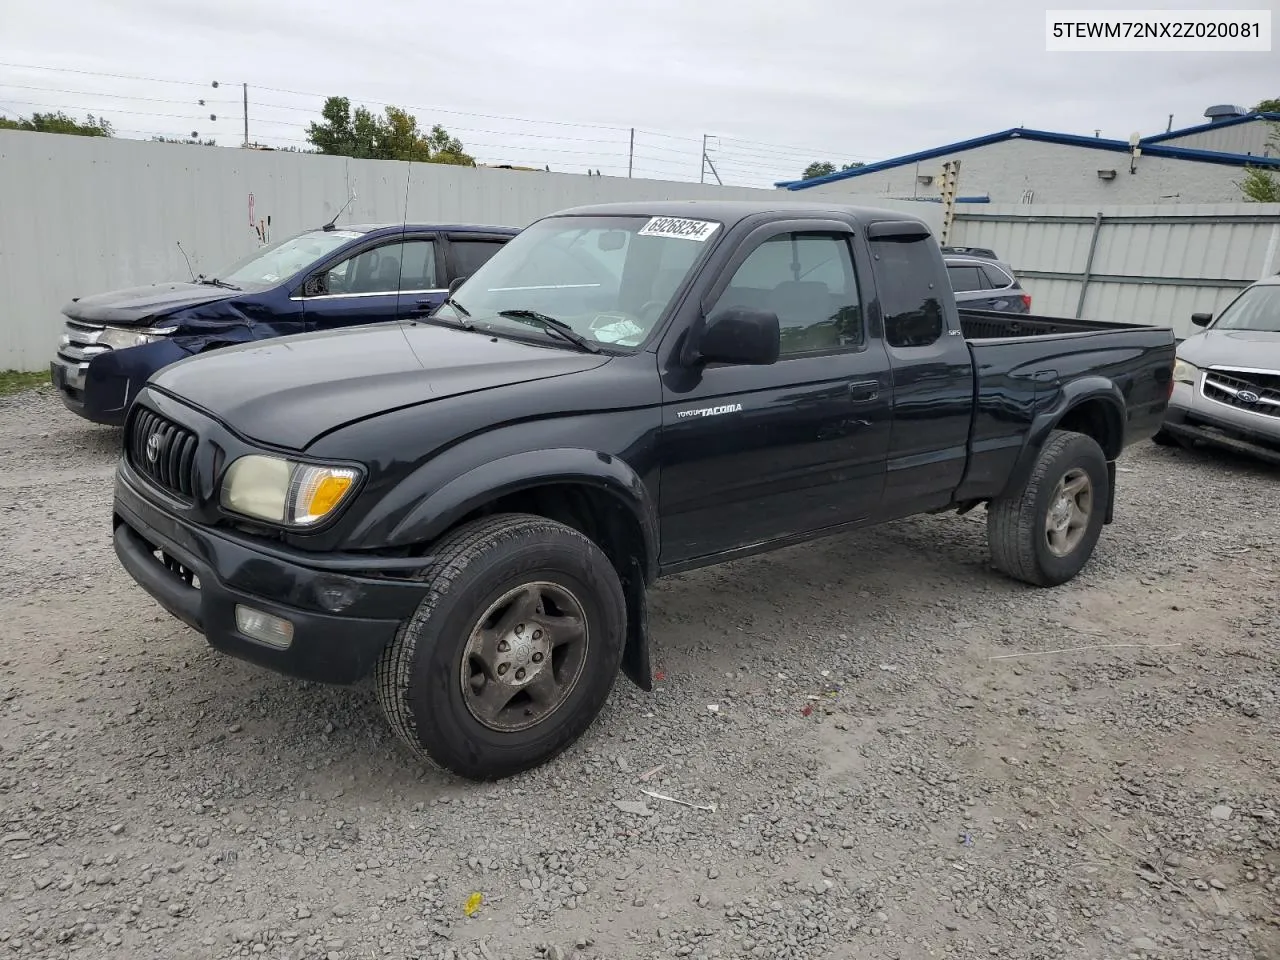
<point x="679" y="229"/>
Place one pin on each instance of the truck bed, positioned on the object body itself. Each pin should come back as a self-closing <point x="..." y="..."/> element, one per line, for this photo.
<point x="995" y="325"/>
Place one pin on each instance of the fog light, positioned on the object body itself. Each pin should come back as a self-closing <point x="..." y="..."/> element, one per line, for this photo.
<point x="263" y="627"/>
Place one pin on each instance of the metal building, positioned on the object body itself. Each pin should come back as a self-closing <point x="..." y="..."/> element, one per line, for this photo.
<point x="1026" y="166"/>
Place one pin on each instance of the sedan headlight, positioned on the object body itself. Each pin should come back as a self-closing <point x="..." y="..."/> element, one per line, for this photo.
<point x="1184" y="372"/>
<point x="121" y="338"/>
<point x="285" y="491"/>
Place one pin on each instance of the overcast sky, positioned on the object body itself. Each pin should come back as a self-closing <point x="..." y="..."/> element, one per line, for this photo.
<point x="777" y="84"/>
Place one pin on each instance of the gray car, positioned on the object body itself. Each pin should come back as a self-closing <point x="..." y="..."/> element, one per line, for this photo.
<point x="982" y="283"/>
<point x="1226" y="388"/>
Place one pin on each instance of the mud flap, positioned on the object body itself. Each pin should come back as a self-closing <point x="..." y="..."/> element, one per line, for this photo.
<point x="635" y="656"/>
<point x="1111" y="492"/>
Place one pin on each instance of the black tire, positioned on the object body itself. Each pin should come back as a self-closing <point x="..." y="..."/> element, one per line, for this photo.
<point x="1016" y="523"/>
<point x="419" y="676"/>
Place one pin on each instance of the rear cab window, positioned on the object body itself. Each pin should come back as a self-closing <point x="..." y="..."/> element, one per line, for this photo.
<point x="906" y="270"/>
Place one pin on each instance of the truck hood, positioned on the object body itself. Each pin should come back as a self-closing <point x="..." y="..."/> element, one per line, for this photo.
<point x="288" y="391"/>
<point x="1257" y="349"/>
<point x="135" y="306"/>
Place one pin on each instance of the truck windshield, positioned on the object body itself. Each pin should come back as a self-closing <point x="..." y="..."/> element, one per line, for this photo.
<point x="279" y="261"/>
<point x="609" y="278"/>
<point x="1257" y="309"/>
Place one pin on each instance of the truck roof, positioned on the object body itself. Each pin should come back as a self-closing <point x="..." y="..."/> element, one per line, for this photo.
<point x="731" y="212"/>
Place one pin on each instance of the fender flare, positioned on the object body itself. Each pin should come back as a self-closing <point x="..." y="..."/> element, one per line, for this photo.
<point x="442" y="508"/>
<point x="1071" y="396"/>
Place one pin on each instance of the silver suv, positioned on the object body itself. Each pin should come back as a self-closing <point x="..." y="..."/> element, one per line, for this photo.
<point x="1226" y="387"/>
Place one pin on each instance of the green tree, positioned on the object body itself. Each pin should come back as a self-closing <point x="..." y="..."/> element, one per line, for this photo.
<point x="394" y="136"/>
<point x="820" y="168"/>
<point x="1261" y="185"/>
<point x="1268" y="106"/>
<point x="60" y="123"/>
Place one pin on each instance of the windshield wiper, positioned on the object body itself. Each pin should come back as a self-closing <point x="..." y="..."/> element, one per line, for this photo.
<point x="552" y="325"/>
<point x="215" y="282"/>
<point x="457" y="306"/>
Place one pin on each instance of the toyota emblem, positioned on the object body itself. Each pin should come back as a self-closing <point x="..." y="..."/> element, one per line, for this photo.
<point x="153" y="448"/>
<point x="1247" y="396"/>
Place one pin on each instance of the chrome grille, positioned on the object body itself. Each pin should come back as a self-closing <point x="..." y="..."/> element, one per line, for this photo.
<point x="1257" y="391"/>
<point x="163" y="451"/>
<point x="79" y="341"/>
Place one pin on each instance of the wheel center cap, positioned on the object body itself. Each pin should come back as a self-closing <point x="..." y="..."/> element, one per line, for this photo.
<point x="521" y="651"/>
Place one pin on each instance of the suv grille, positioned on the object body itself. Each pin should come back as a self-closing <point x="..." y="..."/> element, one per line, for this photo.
<point x="163" y="451"/>
<point x="79" y="343"/>
<point x="1245" y="390"/>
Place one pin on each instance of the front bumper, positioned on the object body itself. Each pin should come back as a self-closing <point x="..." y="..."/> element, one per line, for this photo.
<point x="103" y="398"/>
<point x="328" y="645"/>
<point x="1193" y="416"/>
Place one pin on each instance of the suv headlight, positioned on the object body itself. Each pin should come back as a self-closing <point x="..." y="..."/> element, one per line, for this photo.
<point x="1184" y="372"/>
<point x="121" y="338"/>
<point x="285" y="491"/>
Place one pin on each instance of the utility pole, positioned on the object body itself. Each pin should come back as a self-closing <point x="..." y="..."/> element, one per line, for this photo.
<point x="246" y="114"/>
<point x="631" y="153"/>
<point x="706" y="162"/>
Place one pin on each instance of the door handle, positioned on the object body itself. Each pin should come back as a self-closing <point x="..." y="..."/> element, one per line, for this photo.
<point x="425" y="305"/>
<point x="864" y="391"/>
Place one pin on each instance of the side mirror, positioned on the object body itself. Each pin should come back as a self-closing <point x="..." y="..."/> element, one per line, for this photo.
<point x="455" y="283"/>
<point x="1201" y="319"/>
<point x="739" y="335"/>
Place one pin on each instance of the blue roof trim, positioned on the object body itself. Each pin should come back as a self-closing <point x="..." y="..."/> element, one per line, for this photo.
<point x="1202" y="127"/>
<point x="1042" y="136"/>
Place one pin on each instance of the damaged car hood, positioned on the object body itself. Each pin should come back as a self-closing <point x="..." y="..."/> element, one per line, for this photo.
<point x="289" y="391"/>
<point x="1255" y="349"/>
<point x="136" y="306"/>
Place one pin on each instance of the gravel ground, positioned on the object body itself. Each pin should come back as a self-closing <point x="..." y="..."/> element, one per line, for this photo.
<point x="884" y="784"/>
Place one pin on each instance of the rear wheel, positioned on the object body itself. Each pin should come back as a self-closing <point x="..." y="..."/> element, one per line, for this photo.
<point x="512" y="653"/>
<point x="1046" y="532"/>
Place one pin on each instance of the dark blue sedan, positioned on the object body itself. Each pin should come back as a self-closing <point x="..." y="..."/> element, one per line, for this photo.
<point x="322" y="279"/>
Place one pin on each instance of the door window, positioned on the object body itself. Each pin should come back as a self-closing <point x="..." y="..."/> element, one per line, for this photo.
<point x="808" y="280"/>
<point x="380" y="270"/>
<point x="470" y="255"/>
<point x="964" y="278"/>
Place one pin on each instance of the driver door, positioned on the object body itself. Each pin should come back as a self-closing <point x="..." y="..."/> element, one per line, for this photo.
<point x="381" y="282"/>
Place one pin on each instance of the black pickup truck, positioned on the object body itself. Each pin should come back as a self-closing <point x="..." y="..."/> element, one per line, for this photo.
<point x="471" y="506"/>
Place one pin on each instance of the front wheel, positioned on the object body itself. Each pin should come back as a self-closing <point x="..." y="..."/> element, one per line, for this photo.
<point x="512" y="653"/>
<point x="1045" y="532"/>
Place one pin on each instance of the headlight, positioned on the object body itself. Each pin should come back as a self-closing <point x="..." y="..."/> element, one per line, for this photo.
<point x="1184" y="372"/>
<point x="284" y="491"/>
<point x="121" y="338"/>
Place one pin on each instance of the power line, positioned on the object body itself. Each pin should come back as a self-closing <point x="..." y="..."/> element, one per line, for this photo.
<point x="94" y="73"/>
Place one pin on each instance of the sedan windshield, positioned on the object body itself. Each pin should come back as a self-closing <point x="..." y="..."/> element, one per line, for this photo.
<point x="608" y="278"/>
<point x="1257" y="309"/>
<point x="279" y="261"/>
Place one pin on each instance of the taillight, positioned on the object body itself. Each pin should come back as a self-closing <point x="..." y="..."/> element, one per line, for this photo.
<point x="1026" y="302"/>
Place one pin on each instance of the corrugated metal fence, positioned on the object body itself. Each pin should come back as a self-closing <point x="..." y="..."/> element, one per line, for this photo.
<point x="1148" y="264"/>
<point x="81" y="215"/>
